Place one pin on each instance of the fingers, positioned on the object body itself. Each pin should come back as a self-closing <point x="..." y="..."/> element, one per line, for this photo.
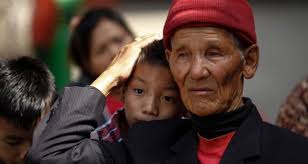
<point x="145" y="40"/>
<point x="139" y="38"/>
<point x="131" y="52"/>
<point x="122" y="65"/>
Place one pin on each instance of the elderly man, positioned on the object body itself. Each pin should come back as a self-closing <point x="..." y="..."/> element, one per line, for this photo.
<point x="211" y="48"/>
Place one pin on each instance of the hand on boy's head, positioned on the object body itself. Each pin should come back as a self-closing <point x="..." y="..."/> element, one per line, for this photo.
<point x="122" y="65"/>
<point x="124" y="62"/>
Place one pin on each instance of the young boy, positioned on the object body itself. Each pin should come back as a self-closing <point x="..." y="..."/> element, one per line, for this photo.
<point x="26" y="90"/>
<point x="149" y="94"/>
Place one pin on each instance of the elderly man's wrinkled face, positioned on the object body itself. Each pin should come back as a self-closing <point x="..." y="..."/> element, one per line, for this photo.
<point x="208" y="67"/>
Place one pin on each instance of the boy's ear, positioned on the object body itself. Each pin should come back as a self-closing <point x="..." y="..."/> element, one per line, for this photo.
<point x="251" y="61"/>
<point x="167" y="53"/>
<point x="122" y="94"/>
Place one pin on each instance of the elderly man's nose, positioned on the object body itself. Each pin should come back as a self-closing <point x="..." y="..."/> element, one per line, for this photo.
<point x="198" y="69"/>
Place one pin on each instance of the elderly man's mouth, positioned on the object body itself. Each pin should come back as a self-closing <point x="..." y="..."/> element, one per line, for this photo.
<point x="201" y="91"/>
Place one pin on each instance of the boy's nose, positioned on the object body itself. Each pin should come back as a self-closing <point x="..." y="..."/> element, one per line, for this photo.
<point x="151" y="107"/>
<point x="22" y="155"/>
<point x="23" y="150"/>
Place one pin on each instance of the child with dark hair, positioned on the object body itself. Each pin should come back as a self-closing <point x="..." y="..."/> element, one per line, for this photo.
<point x="26" y="90"/>
<point x="149" y="94"/>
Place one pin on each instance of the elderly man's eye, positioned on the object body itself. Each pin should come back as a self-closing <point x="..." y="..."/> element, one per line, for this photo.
<point x="138" y="91"/>
<point x="182" y="55"/>
<point x="213" y="53"/>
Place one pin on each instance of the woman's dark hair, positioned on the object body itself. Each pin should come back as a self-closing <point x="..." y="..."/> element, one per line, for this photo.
<point x="79" y="46"/>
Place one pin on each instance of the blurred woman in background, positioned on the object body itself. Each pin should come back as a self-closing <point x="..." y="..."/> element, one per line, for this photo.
<point x="95" y="41"/>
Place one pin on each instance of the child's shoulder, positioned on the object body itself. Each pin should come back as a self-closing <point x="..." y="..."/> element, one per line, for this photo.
<point x="110" y="131"/>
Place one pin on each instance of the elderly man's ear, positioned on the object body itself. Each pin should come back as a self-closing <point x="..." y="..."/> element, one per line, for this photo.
<point x="167" y="53"/>
<point x="251" y="61"/>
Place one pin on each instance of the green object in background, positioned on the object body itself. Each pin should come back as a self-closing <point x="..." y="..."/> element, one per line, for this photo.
<point x="68" y="8"/>
<point x="56" y="57"/>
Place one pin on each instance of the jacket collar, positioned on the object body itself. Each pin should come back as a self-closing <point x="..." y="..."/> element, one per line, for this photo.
<point x="151" y="141"/>
<point x="246" y="143"/>
<point x="185" y="150"/>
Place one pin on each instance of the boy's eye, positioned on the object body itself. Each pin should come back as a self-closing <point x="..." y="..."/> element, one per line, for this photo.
<point x="138" y="91"/>
<point x="168" y="98"/>
<point x="13" y="142"/>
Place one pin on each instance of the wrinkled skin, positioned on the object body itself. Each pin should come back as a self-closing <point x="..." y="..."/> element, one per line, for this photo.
<point x="209" y="69"/>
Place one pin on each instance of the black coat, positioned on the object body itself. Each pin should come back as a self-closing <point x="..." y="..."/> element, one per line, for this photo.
<point x="65" y="139"/>
<point x="255" y="142"/>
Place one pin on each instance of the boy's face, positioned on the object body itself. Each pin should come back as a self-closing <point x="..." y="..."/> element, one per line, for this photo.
<point x="151" y="94"/>
<point x="14" y="142"/>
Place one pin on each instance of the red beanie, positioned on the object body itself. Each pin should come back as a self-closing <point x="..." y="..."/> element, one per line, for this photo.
<point x="234" y="15"/>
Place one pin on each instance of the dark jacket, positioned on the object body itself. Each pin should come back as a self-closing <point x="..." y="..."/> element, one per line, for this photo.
<point x="84" y="80"/>
<point x="66" y="137"/>
<point x="255" y="142"/>
<point x="78" y="112"/>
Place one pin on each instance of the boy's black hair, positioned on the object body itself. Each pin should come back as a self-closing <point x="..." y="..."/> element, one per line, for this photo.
<point x="80" y="41"/>
<point x="154" y="54"/>
<point x="26" y="89"/>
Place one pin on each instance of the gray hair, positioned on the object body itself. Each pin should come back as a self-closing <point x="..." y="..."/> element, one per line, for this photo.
<point x="239" y="44"/>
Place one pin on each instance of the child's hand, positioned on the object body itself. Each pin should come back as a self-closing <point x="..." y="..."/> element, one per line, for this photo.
<point x="122" y="65"/>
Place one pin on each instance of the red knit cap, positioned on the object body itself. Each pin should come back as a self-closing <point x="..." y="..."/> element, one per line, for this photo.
<point x="234" y="15"/>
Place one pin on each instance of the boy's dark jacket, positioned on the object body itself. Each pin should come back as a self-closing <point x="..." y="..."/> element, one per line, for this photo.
<point x="65" y="139"/>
